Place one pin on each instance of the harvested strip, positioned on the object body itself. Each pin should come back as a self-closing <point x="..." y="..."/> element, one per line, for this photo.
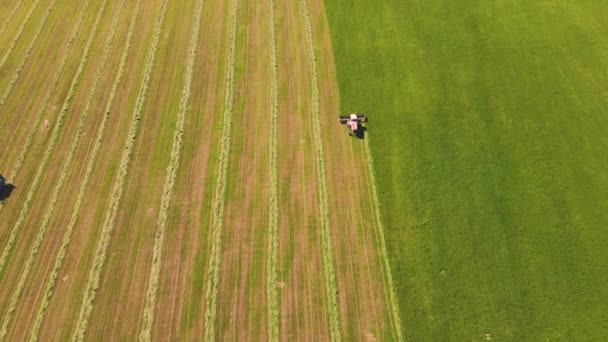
<point x="117" y="191"/>
<point x="273" y="219"/>
<point x="49" y="93"/>
<point x="15" y="40"/>
<point x="161" y="224"/>
<point x="50" y="146"/>
<point x="380" y="231"/>
<point x="10" y="16"/>
<point x="87" y="176"/>
<point x="62" y="176"/>
<point x="328" y="260"/>
<point x="17" y="73"/>
<point x="220" y="183"/>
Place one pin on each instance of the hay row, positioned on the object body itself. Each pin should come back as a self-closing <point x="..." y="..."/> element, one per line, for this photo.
<point x="380" y="231"/>
<point x="11" y="84"/>
<point x="17" y="37"/>
<point x="220" y="183"/>
<point x="117" y="191"/>
<point x="10" y="16"/>
<point x="62" y="176"/>
<point x="273" y="219"/>
<point x="49" y="94"/>
<point x="327" y="248"/>
<point x="48" y="292"/>
<point x="145" y="333"/>
<point x="49" y="148"/>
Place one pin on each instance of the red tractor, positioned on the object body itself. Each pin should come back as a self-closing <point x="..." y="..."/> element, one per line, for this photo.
<point x="354" y="123"/>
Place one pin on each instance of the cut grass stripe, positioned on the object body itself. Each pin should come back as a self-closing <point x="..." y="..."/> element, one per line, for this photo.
<point x="220" y="182"/>
<point x="380" y="231"/>
<point x="49" y="148"/>
<point x="17" y="37"/>
<point x="48" y="292"/>
<point x="62" y="177"/>
<point x="13" y="80"/>
<point x="273" y="218"/>
<point x="10" y="16"/>
<point x="49" y="94"/>
<point x="327" y="249"/>
<point x="145" y="333"/>
<point x="117" y="191"/>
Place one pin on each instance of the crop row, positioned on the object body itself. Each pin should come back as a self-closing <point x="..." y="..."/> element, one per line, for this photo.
<point x="58" y="185"/>
<point x="50" y="147"/>
<point x="10" y="16"/>
<point x="161" y="224"/>
<point x="117" y="191"/>
<point x="221" y="180"/>
<point x="17" y="37"/>
<point x="86" y="178"/>
<point x="328" y="260"/>
<point x="380" y="231"/>
<point x="273" y="218"/>
<point x="13" y="80"/>
<point x="49" y="93"/>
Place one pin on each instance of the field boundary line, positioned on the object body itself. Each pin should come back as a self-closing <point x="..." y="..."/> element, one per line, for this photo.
<point x="380" y="230"/>
<point x="326" y="242"/>
<point x="10" y="16"/>
<point x="11" y="84"/>
<point x="221" y="180"/>
<point x="62" y="176"/>
<point x="117" y="191"/>
<point x="17" y="37"/>
<point x="49" y="150"/>
<point x="169" y="186"/>
<point x="273" y="219"/>
<point x="49" y="94"/>
<point x="83" y="186"/>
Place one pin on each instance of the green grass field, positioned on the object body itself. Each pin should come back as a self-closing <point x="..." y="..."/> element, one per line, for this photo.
<point x="489" y="129"/>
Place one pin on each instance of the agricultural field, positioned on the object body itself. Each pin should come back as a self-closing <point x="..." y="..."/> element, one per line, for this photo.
<point x="176" y="171"/>
<point x="490" y="140"/>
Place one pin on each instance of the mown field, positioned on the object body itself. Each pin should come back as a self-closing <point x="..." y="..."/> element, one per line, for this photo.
<point x="489" y="133"/>
<point x="177" y="172"/>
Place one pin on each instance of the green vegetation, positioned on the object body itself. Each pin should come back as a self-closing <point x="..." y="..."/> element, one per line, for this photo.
<point x="489" y="134"/>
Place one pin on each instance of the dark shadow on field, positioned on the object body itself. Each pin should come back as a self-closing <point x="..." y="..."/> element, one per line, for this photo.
<point x="360" y="133"/>
<point x="5" y="189"/>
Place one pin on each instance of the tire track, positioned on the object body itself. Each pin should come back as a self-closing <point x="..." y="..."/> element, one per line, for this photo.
<point x="327" y="249"/>
<point x="50" y="147"/>
<point x="169" y="185"/>
<point x="220" y="184"/>
<point x="63" y="173"/>
<point x="380" y="231"/>
<point x="17" y="73"/>
<point x="273" y="220"/>
<point x="117" y="191"/>
<point x="87" y="177"/>
<point x="10" y="16"/>
<point x="17" y="37"/>
<point x="49" y="94"/>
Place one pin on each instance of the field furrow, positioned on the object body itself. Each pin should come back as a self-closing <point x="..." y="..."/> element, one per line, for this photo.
<point x="11" y="84"/>
<point x="108" y="225"/>
<point x="169" y="185"/>
<point x="327" y="245"/>
<point x="99" y="138"/>
<point x="273" y="208"/>
<point x="10" y="16"/>
<point x="63" y="173"/>
<point x="17" y="37"/>
<point x="221" y="180"/>
<point x="50" y="145"/>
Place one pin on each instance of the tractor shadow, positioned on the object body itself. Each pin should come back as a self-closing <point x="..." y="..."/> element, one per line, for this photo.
<point x="360" y="133"/>
<point x="5" y="189"/>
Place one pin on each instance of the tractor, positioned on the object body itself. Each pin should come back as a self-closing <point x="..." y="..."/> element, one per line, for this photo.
<point x="354" y="123"/>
